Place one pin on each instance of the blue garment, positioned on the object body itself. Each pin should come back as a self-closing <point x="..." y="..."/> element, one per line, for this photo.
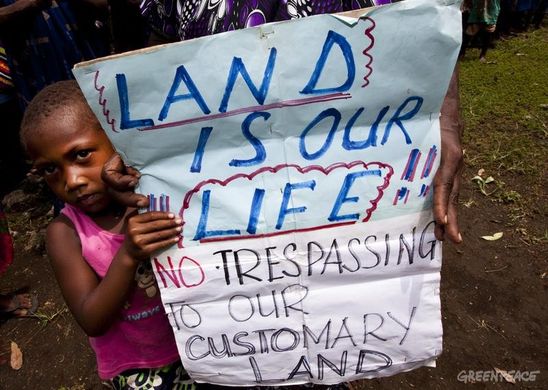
<point x="4" y="98"/>
<point x="525" y="5"/>
<point x="44" y="46"/>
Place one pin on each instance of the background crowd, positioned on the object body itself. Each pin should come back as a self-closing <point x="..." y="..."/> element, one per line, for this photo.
<point x="484" y="21"/>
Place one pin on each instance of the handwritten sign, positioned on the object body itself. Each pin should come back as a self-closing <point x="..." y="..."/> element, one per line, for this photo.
<point x="300" y="156"/>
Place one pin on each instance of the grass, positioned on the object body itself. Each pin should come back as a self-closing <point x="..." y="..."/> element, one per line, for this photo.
<point x="504" y="105"/>
<point x="512" y="84"/>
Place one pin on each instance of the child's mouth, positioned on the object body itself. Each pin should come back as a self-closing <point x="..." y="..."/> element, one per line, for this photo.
<point x="87" y="200"/>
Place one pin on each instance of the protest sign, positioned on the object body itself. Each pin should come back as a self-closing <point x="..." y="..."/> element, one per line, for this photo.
<point x="300" y="156"/>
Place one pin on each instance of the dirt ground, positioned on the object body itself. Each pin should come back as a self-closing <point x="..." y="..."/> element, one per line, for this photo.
<point x="494" y="296"/>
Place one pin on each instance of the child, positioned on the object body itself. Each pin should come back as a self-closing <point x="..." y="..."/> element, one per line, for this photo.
<point x="99" y="249"/>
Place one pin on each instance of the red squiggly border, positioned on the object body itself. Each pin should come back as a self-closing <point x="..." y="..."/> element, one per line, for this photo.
<point x="103" y="102"/>
<point x="326" y="171"/>
<point x="366" y="51"/>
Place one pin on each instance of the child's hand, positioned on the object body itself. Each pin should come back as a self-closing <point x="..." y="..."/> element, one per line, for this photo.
<point x="149" y="232"/>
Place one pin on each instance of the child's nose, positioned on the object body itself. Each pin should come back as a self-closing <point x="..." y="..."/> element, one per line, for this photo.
<point x="74" y="178"/>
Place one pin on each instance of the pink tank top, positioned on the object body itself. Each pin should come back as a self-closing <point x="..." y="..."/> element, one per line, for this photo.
<point x="141" y="337"/>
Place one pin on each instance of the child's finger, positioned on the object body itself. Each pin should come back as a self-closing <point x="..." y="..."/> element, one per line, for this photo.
<point x="133" y="172"/>
<point x="159" y="236"/>
<point x="151" y="216"/>
<point x="129" y="198"/>
<point x="115" y="174"/>
<point x="162" y="244"/>
<point x="153" y="226"/>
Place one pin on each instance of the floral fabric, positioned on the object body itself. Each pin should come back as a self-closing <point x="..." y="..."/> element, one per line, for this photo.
<point x="171" y="377"/>
<point x="180" y="19"/>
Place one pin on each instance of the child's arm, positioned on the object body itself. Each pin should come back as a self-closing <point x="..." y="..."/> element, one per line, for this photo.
<point x="96" y="303"/>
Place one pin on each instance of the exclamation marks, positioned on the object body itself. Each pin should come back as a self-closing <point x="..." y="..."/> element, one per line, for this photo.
<point x="432" y="154"/>
<point x="412" y="163"/>
<point x="408" y="174"/>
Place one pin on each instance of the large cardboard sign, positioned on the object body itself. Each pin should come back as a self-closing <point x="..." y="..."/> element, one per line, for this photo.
<point x="300" y="156"/>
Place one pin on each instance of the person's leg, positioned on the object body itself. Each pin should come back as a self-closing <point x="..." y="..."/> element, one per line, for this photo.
<point x="18" y="303"/>
<point x="465" y="37"/>
<point x="539" y="13"/>
<point x="486" y="39"/>
<point x="465" y="42"/>
<point x="504" y="21"/>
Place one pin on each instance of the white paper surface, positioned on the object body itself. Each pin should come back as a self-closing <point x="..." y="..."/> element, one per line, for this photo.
<point x="304" y="182"/>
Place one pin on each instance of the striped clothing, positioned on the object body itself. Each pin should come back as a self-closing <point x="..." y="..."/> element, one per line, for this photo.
<point x="6" y="82"/>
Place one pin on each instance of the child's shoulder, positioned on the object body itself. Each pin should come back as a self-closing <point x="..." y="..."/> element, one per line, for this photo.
<point x="60" y="229"/>
<point x="62" y="241"/>
<point x="60" y="221"/>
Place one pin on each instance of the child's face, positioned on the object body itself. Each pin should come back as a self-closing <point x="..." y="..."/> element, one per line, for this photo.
<point x="69" y="153"/>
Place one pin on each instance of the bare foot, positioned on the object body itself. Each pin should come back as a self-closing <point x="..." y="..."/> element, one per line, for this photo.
<point x="17" y="304"/>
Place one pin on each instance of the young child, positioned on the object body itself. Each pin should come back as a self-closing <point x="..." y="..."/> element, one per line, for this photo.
<point x="100" y="250"/>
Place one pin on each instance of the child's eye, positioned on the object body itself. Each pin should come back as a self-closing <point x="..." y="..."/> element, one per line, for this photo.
<point x="47" y="170"/>
<point x="83" y="154"/>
